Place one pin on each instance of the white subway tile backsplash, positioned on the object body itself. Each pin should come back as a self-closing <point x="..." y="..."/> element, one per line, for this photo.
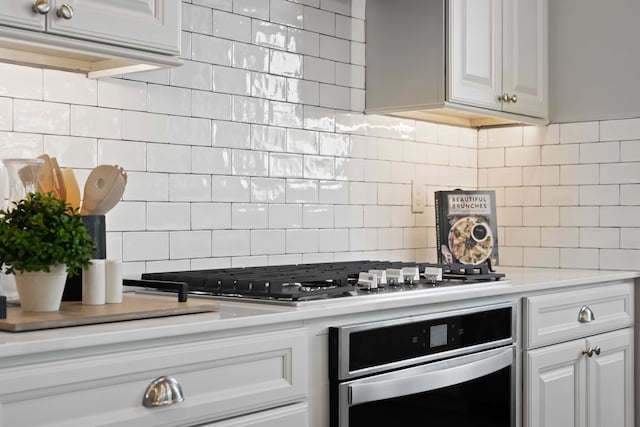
<point x="28" y="86"/>
<point x="285" y="165"/>
<point x="187" y="188"/>
<point x="394" y="194"/>
<point x="363" y="193"/>
<point x="169" y="100"/>
<point x="541" y="257"/>
<point x="629" y="194"/>
<point x="317" y="118"/>
<point x="230" y="26"/>
<point x="127" y="216"/>
<point x="190" y="74"/>
<point x="334" y="48"/>
<point x="619" y="173"/>
<point x="168" y="216"/>
<point x="620" y="216"/>
<point x="230" y="188"/>
<point x="231" y="134"/>
<point x="250" y="57"/>
<point x="497" y="177"/>
<point x="251" y="110"/>
<point x="565" y="195"/>
<point x="36" y="116"/>
<point x="583" y="216"/>
<point x="600" y="152"/>
<point x="560" y="154"/>
<point x="6" y="114"/>
<point x="265" y="242"/>
<point x="131" y="155"/>
<point x="189" y="131"/>
<point x="230" y="243"/>
<point x="363" y="239"/>
<point x="285" y="216"/>
<point x="334" y="192"/>
<point x="96" y="122"/>
<point x="377" y="216"/>
<point x="72" y="88"/>
<point x="301" y="241"/>
<point x="544" y="216"/>
<point x="599" y="195"/>
<point x="207" y="160"/>
<point x="579" y="258"/>
<point x="618" y="259"/>
<point x="349" y="216"/>
<point x="302" y="191"/>
<point x="522" y="236"/>
<point x="338" y="6"/>
<point x="402" y="172"/>
<point x="618" y="130"/>
<point x="140" y="126"/>
<point x="72" y="151"/>
<point x="268" y="34"/>
<point x="249" y="216"/>
<point x="211" y="49"/>
<point x="350" y="169"/>
<point x="522" y="196"/>
<point x="125" y="94"/>
<point x="254" y="8"/>
<point x="522" y="156"/>
<point x="542" y="135"/>
<point x="147" y="186"/>
<point x="251" y="163"/>
<point x="401" y="216"/>
<point x="267" y="138"/>
<point x="540" y="175"/>
<point x="197" y="19"/>
<point x="579" y="132"/>
<point x="319" y="21"/>
<point x="319" y="69"/>
<point x="142" y="246"/>
<point x="210" y="216"/>
<point x="231" y="80"/>
<point x="505" y="137"/>
<point x="317" y="216"/>
<point x="287" y="13"/>
<point x="285" y="114"/>
<point x="579" y="174"/>
<point x="332" y="240"/>
<point x="318" y="167"/>
<point x="560" y="237"/>
<point x="268" y="86"/>
<point x="593" y="237"/>
<point x="168" y="158"/>
<point x="303" y="91"/>
<point x="267" y="190"/>
<point x="332" y="96"/>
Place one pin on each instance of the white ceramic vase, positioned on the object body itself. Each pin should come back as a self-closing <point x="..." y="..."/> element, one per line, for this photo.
<point x="41" y="291"/>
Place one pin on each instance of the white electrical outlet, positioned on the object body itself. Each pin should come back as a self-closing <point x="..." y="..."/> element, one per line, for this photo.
<point x="418" y="197"/>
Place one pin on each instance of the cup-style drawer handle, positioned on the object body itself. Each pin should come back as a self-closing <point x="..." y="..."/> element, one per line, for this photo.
<point x="65" y="11"/>
<point x="161" y="392"/>
<point x="585" y="315"/>
<point x="41" y="6"/>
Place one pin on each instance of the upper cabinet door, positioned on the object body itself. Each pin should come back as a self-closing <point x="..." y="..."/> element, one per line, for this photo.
<point x="138" y="24"/>
<point x="475" y="52"/>
<point x="20" y="14"/>
<point x="525" y="56"/>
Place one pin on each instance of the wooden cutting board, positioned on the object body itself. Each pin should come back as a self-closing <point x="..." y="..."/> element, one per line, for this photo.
<point x="74" y="313"/>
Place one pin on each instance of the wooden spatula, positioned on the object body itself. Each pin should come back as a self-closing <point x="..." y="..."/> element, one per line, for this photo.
<point x="71" y="187"/>
<point x="45" y="177"/>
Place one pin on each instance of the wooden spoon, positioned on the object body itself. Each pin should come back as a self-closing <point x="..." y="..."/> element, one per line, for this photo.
<point x="45" y="177"/>
<point x="59" y="187"/>
<point x="71" y="187"/>
<point x="113" y="197"/>
<point x="99" y="185"/>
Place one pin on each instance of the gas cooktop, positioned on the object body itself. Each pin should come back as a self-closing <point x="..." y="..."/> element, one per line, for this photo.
<point x="306" y="282"/>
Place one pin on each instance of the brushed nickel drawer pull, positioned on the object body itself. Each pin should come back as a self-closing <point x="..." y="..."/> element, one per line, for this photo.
<point x="585" y="315"/>
<point x="162" y="391"/>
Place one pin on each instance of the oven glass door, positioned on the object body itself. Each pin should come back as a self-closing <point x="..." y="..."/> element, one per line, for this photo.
<point x="476" y="390"/>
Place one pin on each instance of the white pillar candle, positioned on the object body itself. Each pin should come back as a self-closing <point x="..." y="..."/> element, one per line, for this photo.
<point x="113" y="283"/>
<point x="93" y="283"/>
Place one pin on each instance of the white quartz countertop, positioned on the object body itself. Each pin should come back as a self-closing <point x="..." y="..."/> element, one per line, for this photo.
<point x="240" y="315"/>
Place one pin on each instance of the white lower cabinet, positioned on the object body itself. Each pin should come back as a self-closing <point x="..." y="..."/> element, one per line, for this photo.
<point x="586" y="381"/>
<point x="565" y="387"/>
<point x="288" y="416"/>
<point x="221" y="379"/>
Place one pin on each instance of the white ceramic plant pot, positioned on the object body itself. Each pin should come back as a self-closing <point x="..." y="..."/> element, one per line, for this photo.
<point x="42" y="291"/>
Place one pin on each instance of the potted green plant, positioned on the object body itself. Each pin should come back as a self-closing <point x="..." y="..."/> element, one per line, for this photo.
<point x="42" y="240"/>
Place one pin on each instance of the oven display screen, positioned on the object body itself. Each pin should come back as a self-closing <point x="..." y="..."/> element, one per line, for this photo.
<point x="438" y="335"/>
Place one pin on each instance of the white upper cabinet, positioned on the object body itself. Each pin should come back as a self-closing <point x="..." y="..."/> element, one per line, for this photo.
<point x="21" y="14"/>
<point x="141" y="24"/>
<point x="463" y="62"/>
<point x="93" y="36"/>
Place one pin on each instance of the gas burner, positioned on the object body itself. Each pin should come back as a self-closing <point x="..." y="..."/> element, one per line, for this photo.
<point x="304" y="282"/>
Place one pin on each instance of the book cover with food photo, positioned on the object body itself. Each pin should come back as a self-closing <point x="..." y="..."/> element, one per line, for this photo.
<point x="466" y="227"/>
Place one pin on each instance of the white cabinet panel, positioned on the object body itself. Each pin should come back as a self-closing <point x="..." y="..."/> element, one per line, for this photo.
<point x="20" y="14"/>
<point x="476" y="51"/>
<point x="525" y="56"/>
<point x="139" y="24"/>
<point x="287" y="416"/>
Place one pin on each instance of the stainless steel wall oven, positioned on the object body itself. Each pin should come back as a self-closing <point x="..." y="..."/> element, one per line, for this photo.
<point x="447" y="369"/>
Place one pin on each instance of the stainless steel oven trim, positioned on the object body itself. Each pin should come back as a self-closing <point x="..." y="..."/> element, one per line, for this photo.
<point x="426" y="377"/>
<point x="345" y="331"/>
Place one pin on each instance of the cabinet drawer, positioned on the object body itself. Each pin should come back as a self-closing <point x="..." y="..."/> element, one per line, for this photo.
<point x="220" y="379"/>
<point x="553" y="317"/>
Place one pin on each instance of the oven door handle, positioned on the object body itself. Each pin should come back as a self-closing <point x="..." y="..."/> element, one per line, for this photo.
<point x="430" y="376"/>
